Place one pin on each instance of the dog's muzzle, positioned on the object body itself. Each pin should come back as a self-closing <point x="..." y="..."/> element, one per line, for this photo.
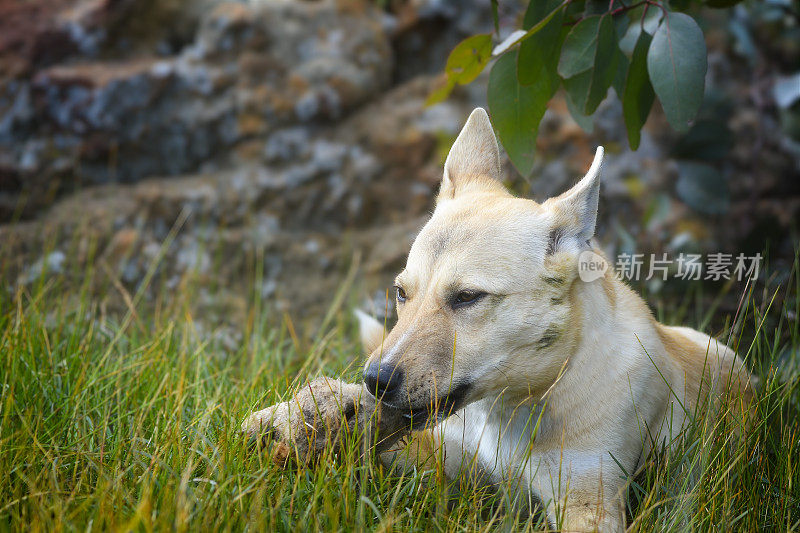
<point x="383" y="380"/>
<point x="419" y="416"/>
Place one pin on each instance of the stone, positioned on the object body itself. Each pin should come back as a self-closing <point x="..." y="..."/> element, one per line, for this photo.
<point x="266" y="148"/>
<point x="250" y="70"/>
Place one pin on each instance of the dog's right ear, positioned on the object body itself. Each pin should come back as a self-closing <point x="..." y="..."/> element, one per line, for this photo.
<point x="474" y="159"/>
<point x="370" y="331"/>
<point x="575" y="211"/>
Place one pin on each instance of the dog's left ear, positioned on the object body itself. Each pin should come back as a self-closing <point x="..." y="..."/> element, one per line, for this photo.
<point x="576" y="210"/>
<point x="474" y="159"/>
<point x="370" y="330"/>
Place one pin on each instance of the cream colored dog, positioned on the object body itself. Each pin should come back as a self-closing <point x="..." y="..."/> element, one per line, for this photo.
<point x="548" y="375"/>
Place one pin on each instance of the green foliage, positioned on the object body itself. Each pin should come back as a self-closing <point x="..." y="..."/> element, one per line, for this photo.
<point x="589" y="62"/>
<point x="677" y="64"/>
<point x="467" y="60"/>
<point x="538" y="55"/>
<point x="464" y="64"/>
<point x="643" y="49"/>
<point x="516" y="110"/>
<point x="637" y="96"/>
<point x="581" y="45"/>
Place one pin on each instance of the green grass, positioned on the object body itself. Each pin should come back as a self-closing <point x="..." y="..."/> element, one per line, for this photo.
<point x="133" y="425"/>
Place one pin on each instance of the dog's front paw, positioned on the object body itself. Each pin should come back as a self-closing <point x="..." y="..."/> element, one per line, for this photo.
<point x="319" y="416"/>
<point x="268" y="427"/>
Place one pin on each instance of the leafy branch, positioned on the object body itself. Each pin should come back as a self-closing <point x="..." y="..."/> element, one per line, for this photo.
<point x="644" y="50"/>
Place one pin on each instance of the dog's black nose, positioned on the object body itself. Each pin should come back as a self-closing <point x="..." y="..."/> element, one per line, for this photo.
<point x="383" y="380"/>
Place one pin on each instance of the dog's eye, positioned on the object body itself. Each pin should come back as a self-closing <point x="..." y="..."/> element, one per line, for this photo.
<point x="464" y="298"/>
<point x="401" y="294"/>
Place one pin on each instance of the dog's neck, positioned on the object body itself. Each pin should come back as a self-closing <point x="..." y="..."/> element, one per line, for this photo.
<point x="608" y="316"/>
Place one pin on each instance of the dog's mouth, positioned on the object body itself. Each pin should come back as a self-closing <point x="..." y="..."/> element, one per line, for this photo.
<point x="444" y="406"/>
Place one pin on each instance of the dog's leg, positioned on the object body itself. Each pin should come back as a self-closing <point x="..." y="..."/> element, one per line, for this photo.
<point x="319" y="416"/>
<point x="591" y="506"/>
<point x="580" y="515"/>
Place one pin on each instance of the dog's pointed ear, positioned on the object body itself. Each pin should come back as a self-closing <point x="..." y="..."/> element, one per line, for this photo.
<point x="576" y="210"/>
<point x="370" y="331"/>
<point x="474" y="158"/>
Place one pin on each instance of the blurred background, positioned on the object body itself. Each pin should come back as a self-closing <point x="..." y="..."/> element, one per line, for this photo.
<point x="219" y="157"/>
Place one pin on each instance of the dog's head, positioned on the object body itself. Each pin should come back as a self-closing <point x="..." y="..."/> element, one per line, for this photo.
<point x="485" y="302"/>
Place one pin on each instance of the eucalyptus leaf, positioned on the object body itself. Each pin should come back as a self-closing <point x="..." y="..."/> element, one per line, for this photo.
<point x="652" y="18"/>
<point x="467" y="60"/>
<point x="586" y="122"/>
<point x="637" y="95"/>
<point x="516" y="111"/>
<point x="580" y="47"/>
<point x="577" y="89"/>
<point x="538" y="55"/>
<point x="621" y="25"/>
<point x="623" y="63"/>
<point x="606" y="60"/>
<point x="441" y="91"/>
<point x="588" y="61"/>
<point x="677" y="64"/>
<point x="542" y="23"/>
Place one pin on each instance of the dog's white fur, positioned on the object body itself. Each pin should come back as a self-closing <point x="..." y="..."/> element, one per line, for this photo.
<point x="561" y="378"/>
